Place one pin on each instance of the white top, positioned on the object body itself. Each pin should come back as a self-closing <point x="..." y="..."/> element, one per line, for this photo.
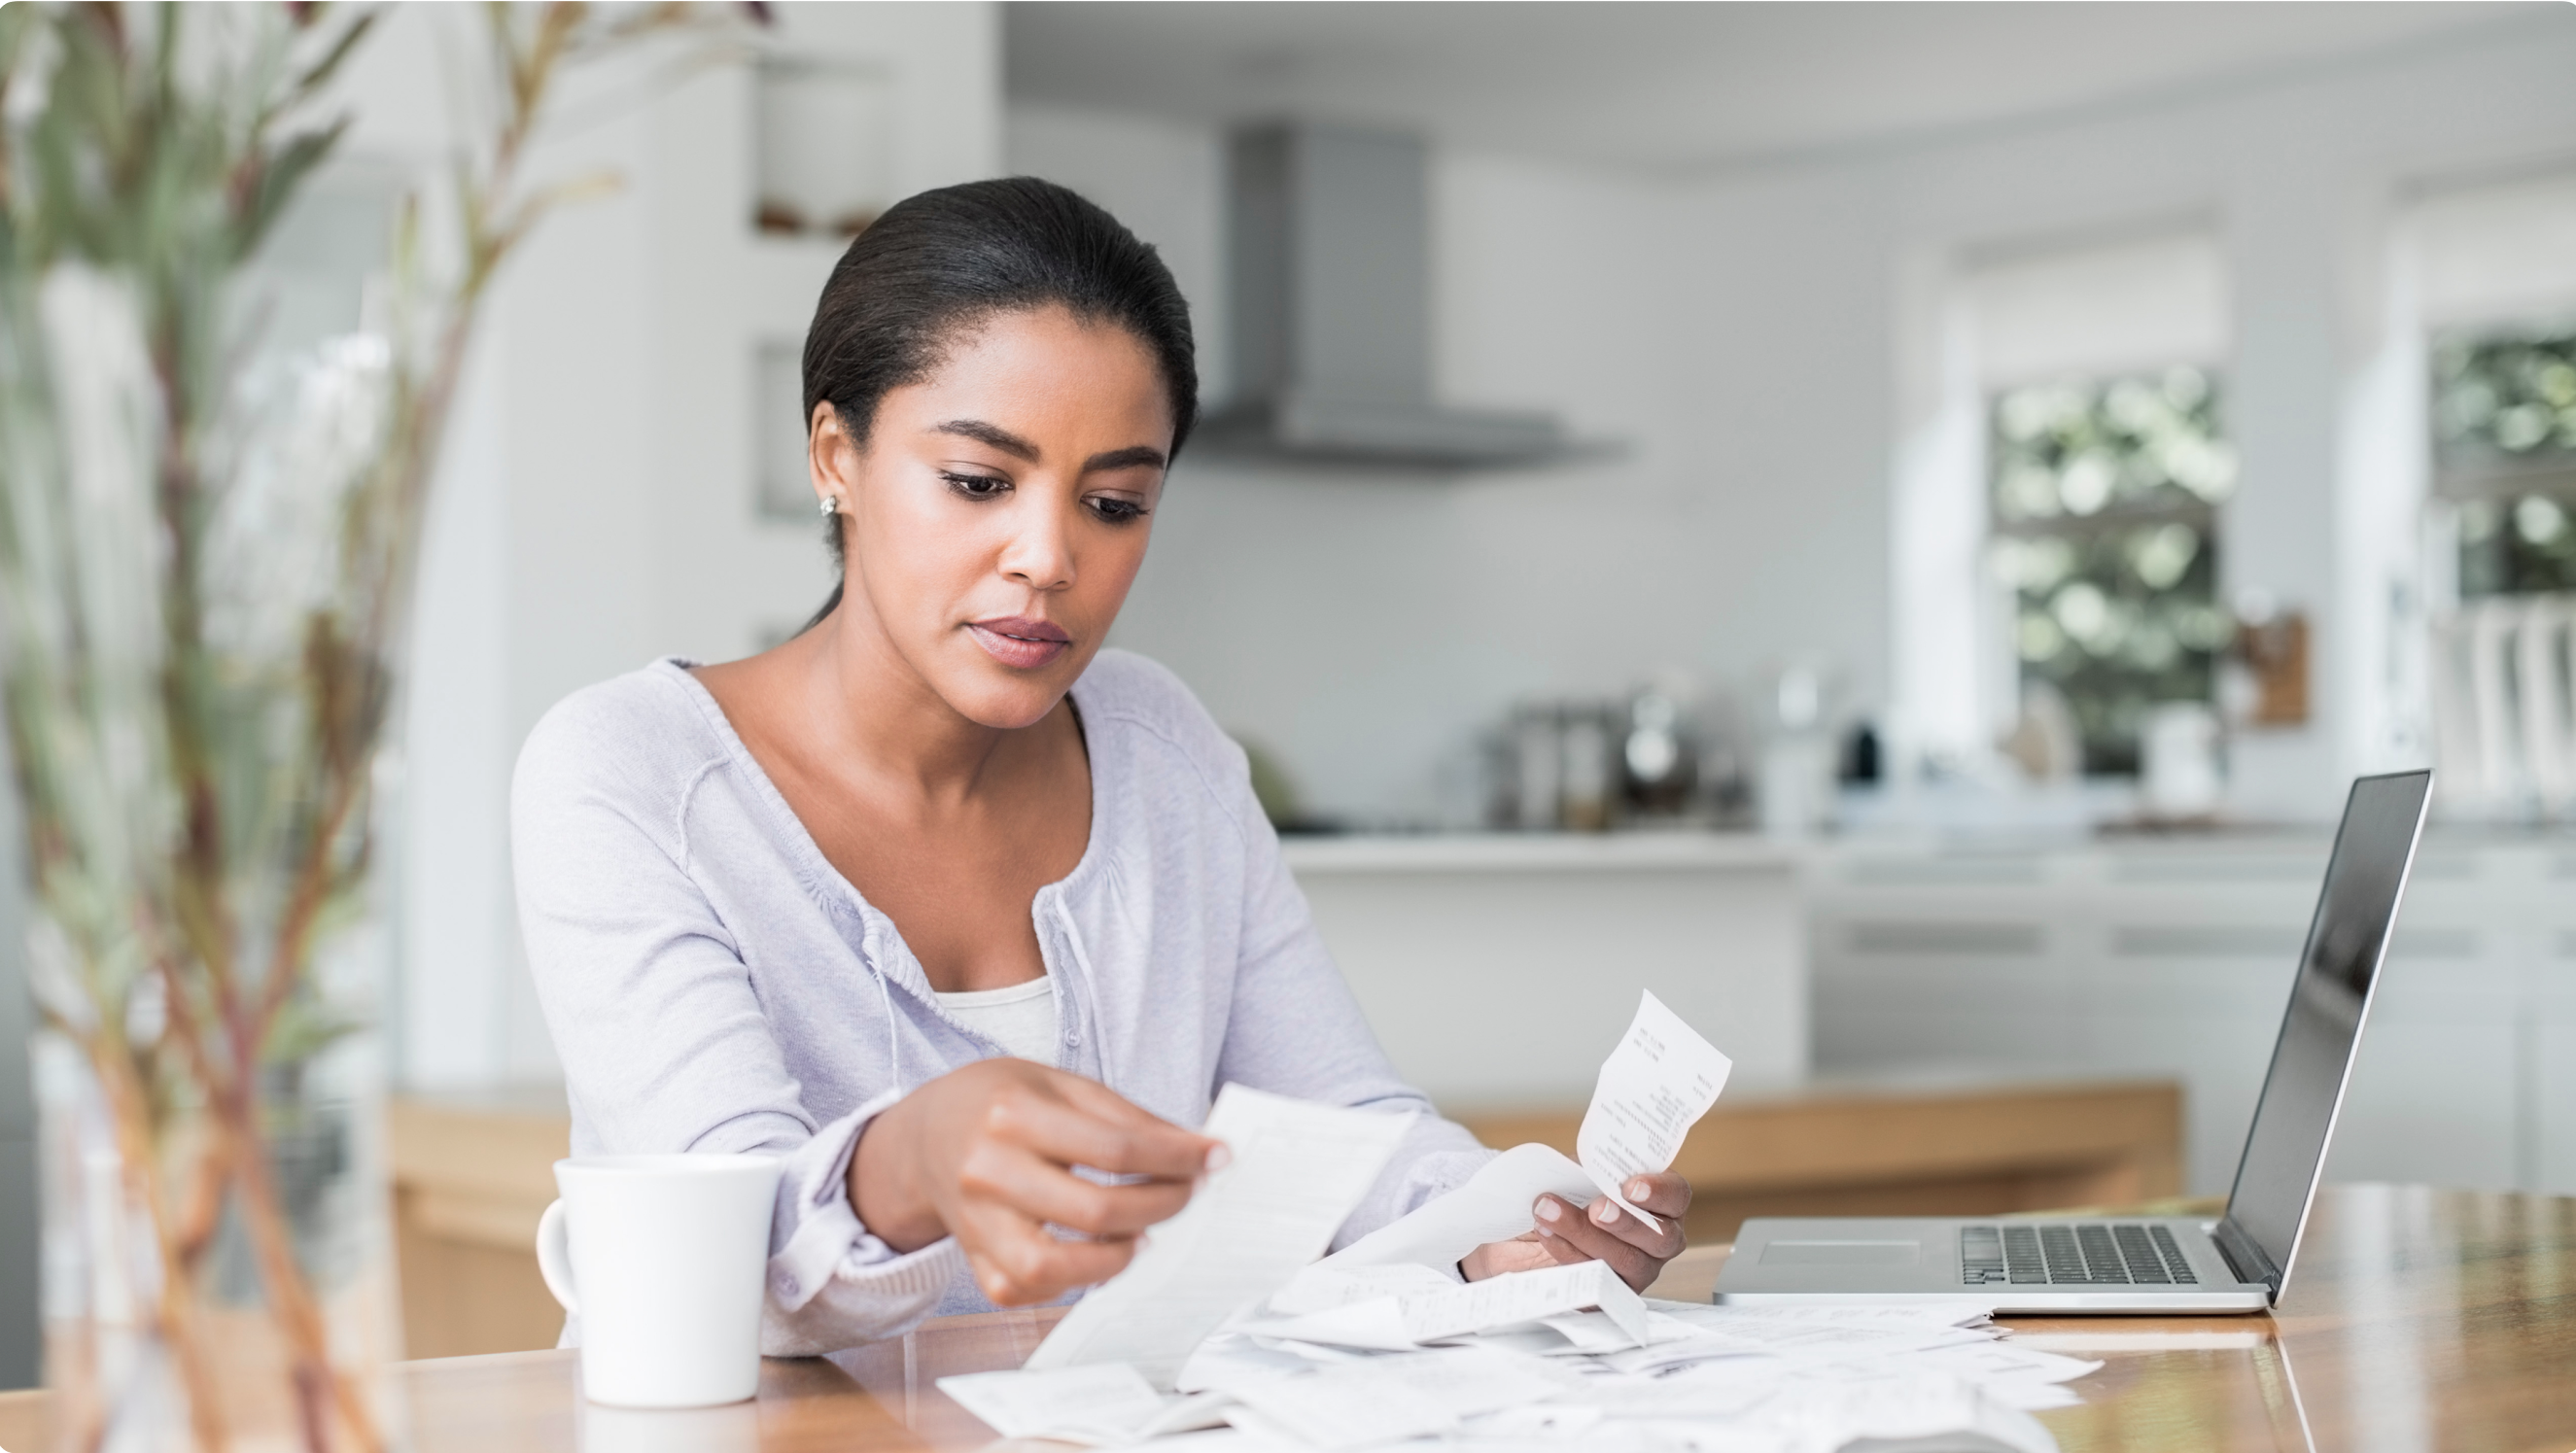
<point x="1021" y="1018"/>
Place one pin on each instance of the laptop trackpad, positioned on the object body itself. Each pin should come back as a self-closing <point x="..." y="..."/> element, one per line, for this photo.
<point x="1840" y="1253"/>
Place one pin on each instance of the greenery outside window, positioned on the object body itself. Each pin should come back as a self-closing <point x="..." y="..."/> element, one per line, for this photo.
<point x="2504" y="439"/>
<point x="2104" y="498"/>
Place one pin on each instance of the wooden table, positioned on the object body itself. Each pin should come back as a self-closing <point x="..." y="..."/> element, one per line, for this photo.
<point x="2420" y="1319"/>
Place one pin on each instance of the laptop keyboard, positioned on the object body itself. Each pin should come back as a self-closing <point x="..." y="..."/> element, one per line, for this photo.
<point x="2083" y="1254"/>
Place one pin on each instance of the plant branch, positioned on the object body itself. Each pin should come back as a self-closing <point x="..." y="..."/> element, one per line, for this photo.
<point x="194" y="823"/>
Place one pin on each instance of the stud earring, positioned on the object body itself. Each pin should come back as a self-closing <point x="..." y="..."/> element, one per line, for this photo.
<point x="831" y="505"/>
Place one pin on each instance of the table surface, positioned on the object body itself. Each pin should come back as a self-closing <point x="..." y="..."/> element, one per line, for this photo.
<point x="2418" y="1319"/>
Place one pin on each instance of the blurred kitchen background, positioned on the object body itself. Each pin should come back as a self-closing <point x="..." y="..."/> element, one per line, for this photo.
<point x="1891" y="526"/>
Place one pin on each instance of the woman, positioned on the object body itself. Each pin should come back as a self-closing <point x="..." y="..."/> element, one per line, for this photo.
<point x="937" y="900"/>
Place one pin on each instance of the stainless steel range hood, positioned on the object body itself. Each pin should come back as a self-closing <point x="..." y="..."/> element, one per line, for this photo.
<point x="1330" y="247"/>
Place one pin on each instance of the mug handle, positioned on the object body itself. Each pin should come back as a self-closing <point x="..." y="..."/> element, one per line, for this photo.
<point x="554" y="1256"/>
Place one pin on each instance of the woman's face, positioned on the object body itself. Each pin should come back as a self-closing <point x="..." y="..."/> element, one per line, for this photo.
<point x="1000" y="508"/>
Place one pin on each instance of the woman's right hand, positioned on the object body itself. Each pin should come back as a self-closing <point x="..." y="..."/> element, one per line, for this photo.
<point x="985" y="1154"/>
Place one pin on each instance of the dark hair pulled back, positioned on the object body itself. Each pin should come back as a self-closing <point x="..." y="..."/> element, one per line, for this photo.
<point x="938" y="263"/>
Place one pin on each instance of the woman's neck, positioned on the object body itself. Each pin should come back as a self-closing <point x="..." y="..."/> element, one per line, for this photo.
<point x="867" y="706"/>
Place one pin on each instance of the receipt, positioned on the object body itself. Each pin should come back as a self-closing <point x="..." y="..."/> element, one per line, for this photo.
<point x="2018" y="1377"/>
<point x="1494" y="1205"/>
<point x="1104" y="1403"/>
<point x="1904" y="1409"/>
<point x="1298" y="1171"/>
<point x="1324" y="1286"/>
<point x="1652" y="1089"/>
<point x="1388" y="1399"/>
<point x="1413" y="1318"/>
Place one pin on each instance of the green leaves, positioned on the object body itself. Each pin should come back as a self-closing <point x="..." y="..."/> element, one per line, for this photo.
<point x="267" y="188"/>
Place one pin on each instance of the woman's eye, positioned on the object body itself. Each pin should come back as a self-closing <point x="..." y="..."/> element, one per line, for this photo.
<point x="1116" y="511"/>
<point x="977" y="486"/>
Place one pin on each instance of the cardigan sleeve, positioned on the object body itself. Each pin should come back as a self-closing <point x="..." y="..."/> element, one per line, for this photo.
<point x="1295" y="1029"/>
<point x="665" y="1046"/>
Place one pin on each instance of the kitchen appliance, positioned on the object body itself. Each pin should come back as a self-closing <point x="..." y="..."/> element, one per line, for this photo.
<point x="1329" y="240"/>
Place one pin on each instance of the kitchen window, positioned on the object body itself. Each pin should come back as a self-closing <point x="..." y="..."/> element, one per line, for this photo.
<point x="2489" y="268"/>
<point x="2504" y="440"/>
<point x="2104" y="498"/>
<point x="2054" y="524"/>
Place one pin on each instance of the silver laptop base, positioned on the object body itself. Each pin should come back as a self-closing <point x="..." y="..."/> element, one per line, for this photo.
<point x="2050" y="1266"/>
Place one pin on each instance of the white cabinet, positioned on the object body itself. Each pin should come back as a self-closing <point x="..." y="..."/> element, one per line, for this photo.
<point x="1499" y="971"/>
<point x="2173" y="957"/>
<point x="2553" y="1149"/>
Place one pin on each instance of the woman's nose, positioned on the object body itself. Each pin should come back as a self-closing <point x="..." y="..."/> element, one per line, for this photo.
<point x="1039" y="554"/>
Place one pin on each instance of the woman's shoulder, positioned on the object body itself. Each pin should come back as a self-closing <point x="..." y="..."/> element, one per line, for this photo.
<point x="1143" y="695"/>
<point x="645" y="733"/>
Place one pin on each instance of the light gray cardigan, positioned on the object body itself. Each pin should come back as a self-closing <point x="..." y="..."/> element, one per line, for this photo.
<point x="713" y="984"/>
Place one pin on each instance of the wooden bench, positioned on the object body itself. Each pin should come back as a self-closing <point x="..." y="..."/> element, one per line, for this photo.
<point x="471" y="1176"/>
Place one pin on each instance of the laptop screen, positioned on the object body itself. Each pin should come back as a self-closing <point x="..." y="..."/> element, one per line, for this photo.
<point x="2287" y="1146"/>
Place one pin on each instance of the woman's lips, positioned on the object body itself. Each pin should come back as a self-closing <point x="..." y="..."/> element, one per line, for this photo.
<point x="1020" y="643"/>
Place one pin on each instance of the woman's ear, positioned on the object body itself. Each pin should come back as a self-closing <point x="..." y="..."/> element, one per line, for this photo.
<point x="831" y="458"/>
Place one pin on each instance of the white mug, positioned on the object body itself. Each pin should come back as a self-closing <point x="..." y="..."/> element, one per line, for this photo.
<point x="732" y="1428"/>
<point x="665" y="1259"/>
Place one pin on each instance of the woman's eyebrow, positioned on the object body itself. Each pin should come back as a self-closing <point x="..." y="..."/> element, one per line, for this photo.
<point x="1012" y="444"/>
<point x="1127" y="458"/>
<point x="993" y="434"/>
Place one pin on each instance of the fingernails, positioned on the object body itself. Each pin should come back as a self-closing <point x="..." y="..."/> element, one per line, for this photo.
<point x="1605" y="1212"/>
<point x="1637" y="1190"/>
<point x="1219" y="1156"/>
<point x="1547" y="1210"/>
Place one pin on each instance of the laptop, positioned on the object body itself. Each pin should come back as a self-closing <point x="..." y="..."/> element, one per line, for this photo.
<point x="2081" y="1264"/>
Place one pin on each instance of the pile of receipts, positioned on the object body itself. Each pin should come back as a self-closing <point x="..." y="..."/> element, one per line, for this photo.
<point x="1627" y="1373"/>
<point x="1227" y="1334"/>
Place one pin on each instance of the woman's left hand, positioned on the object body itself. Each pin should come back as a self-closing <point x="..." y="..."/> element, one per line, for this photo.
<point x="1566" y="1233"/>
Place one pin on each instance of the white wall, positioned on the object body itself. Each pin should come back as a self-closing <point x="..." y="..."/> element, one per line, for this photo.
<point x="1366" y="625"/>
<point x="1743" y="333"/>
<point x="594" y="507"/>
<point x="1738" y="333"/>
<point x="2302" y="179"/>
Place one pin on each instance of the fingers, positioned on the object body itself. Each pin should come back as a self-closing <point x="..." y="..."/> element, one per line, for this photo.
<point x="1662" y="1192"/>
<point x="984" y="1153"/>
<point x="1043" y="1191"/>
<point x="1072" y="1121"/>
<point x="1013" y="1188"/>
<point x="1017" y="1263"/>
<point x="1664" y="1244"/>
<point x="1572" y="1235"/>
<point x="1494" y="1258"/>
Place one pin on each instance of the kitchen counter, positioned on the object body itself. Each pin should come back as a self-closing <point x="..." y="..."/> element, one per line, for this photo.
<point x="1499" y="969"/>
<point x="1533" y="851"/>
<point x="2169" y="955"/>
